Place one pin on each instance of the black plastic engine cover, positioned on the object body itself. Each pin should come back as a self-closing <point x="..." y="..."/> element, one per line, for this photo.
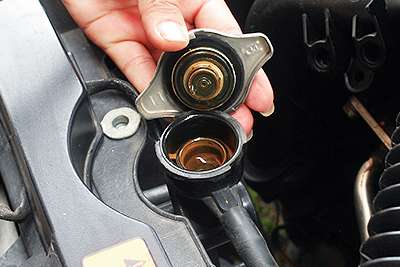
<point x="41" y="101"/>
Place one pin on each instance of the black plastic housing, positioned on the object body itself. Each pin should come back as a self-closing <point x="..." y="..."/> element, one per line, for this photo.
<point x="198" y="184"/>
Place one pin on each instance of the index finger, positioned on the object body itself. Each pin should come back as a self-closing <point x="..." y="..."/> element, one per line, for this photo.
<point x="224" y="21"/>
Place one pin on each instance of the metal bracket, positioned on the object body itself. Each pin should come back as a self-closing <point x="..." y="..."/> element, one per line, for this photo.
<point x="370" y="54"/>
<point x="321" y="53"/>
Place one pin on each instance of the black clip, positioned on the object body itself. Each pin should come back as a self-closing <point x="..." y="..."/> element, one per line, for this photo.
<point x="370" y="54"/>
<point x="321" y="55"/>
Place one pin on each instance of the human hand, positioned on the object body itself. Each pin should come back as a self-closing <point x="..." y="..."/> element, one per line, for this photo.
<point x="133" y="33"/>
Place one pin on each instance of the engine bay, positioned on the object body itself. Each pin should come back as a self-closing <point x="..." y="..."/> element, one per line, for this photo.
<point x="94" y="174"/>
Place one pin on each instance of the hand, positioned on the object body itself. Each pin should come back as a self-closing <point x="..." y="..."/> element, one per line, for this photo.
<point x="135" y="32"/>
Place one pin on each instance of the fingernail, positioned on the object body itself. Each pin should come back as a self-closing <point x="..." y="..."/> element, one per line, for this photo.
<point x="173" y="32"/>
<point x="250" y="136"/>
<point x="269" y="112"/>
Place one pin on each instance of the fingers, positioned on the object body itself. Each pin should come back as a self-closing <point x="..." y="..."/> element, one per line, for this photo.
<point x="261" y="96"/>
<point x="164" y="24"/>
<point x="223" y="21"/>
<point x="103" y="31"/>
<point x="245" y="118"/>
<point x="135" y="61"/>
<point x="89" y="11"/>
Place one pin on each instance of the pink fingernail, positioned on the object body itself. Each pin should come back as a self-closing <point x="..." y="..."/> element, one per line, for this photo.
<point x="268" y="112"/>
<point x="173" y="32"/>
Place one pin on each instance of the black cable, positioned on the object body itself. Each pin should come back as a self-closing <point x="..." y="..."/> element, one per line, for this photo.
<point x="246" y="238"/>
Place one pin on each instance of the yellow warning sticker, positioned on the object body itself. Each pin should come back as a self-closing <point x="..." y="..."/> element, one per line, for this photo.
<point x="132" y="253"/>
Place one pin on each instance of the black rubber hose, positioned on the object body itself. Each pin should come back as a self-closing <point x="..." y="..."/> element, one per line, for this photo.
<point x="382" y="249"/>
<point x="246" y="238"/>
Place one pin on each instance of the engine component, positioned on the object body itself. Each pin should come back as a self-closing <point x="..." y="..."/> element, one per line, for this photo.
<point x="203" y="79"/>
<point x="226" y="135"/>
<point x="211" y="165"/>
<point x="202" y="152"/>
<point x="213" y="72"/>
<point x="363" y="194"/>
<point x="110" y="190"/>
<point x="53" y="142"/>
<point x="383" y="246"/>
<point x="120" y="123"/>
<point x="372" y="123"/>
<point x="309" y="134"/>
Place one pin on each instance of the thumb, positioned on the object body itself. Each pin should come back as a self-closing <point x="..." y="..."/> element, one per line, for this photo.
<point x="164" y="24"/>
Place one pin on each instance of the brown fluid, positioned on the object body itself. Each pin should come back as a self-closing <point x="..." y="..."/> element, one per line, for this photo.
<point x="202" y="154"/>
